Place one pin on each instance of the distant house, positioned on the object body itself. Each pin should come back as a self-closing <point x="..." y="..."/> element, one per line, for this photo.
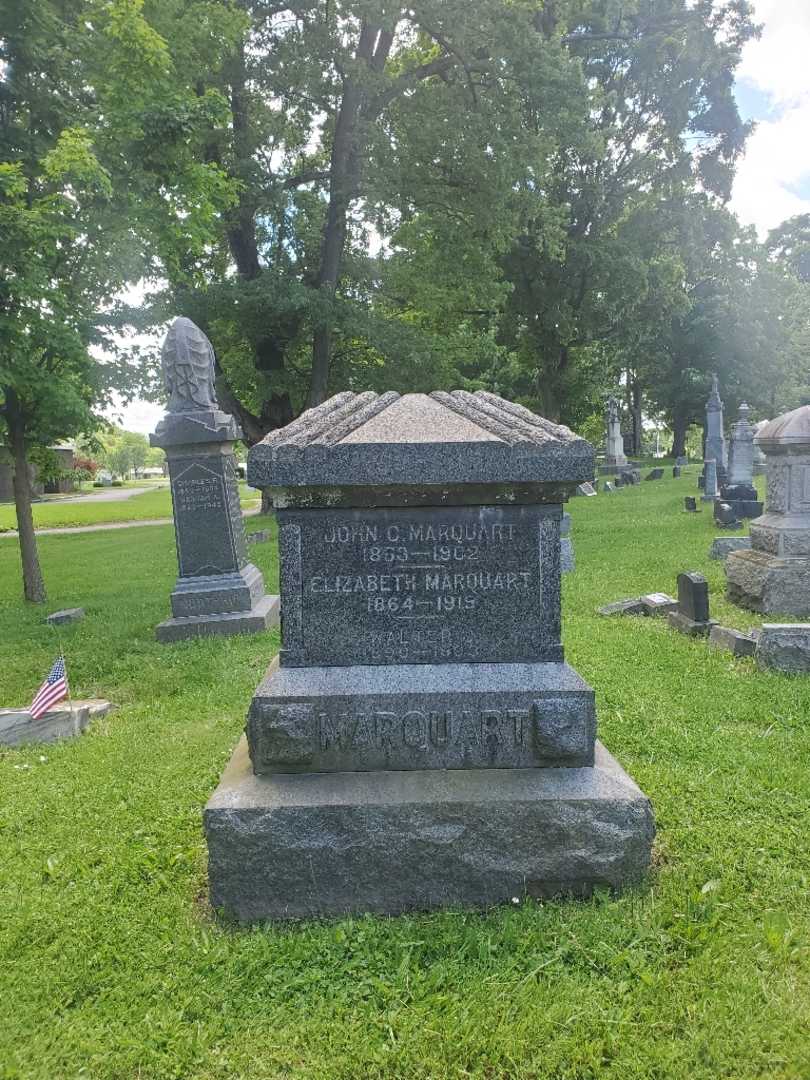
<point x="64" y="451"/>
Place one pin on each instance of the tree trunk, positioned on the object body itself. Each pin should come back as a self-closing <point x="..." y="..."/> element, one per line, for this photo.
<point x="33" y="584"/>
<point x="636" y="412"/>
<point x="680" y="426"/>
<point x="344" y="179"/>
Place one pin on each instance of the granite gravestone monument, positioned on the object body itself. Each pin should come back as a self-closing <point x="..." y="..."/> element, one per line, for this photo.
<point x="420" y="742"/>
<point x="218" y="591"/>
<point x="615" y="457"/>
<point x="715" y="439"/>
<point x="710" y="489"/>
<point x="692" y="616"/>
<point x="739" y="491"/>
<point x="774" y="575"/>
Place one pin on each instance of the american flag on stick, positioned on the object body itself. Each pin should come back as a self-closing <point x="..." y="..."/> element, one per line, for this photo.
<point x="55" y="688"/>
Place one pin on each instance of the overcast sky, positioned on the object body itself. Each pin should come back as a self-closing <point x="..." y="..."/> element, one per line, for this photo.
<point x="773" y="179"/>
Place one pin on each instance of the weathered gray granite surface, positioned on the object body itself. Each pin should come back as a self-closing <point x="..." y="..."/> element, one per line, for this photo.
<point x="724" y="545"/>
<point x="567" y="557"/>
<point x="419" y="439"/>
<point x="66" y="615"/>
<point x="331" y="844"/>
<point x="263" y="615"/>
<point x="448" y="716"/>
<point x="715" y="448"/>
<point x="18" y="728"/>
<point x="785" y="647"/>
<point x="774" y="576"/>
<point x="420" y="743"/>
<point x="420" y="585"/>
<point x="217" y="591"/>
<point x="733" y="641"/>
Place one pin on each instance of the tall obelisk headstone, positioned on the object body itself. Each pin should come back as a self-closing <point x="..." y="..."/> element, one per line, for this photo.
<point x="715" y="439"/>
<point x="774" y="574"/>
<point x="218" y="591"/>
<point x="420" y="742"/>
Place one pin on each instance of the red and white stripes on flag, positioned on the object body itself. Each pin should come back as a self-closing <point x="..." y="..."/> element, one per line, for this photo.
<point x="54" y="689"/>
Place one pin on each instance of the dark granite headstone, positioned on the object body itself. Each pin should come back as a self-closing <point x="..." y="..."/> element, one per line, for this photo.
<point x="690" y="504"/>
<point x="724" y="516"/>
<point x="692" y="616"/>
<point x="421" y="688"/>
<point x="654" y="474"/>
<point x="676" y="471"/>
<point x="218" y="591"/>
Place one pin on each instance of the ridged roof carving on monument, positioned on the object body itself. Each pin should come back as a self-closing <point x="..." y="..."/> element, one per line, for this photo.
<point x="789" y="429"/>
<point x="370" y="417"/>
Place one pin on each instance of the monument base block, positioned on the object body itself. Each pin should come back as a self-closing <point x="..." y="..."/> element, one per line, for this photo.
<point x="684" y="625"/>
<point x="329" y="844"/>
<point x="264" y="615"/>
<point x="768" y="583"/>
<point x="420" y="716"/>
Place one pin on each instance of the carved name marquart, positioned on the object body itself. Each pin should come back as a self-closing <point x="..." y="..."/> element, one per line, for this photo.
<point x="309" y="736"/>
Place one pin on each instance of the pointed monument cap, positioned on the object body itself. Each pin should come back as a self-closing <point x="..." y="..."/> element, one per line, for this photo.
<point x="443" y="438"/>
<point x="789" y="431"/>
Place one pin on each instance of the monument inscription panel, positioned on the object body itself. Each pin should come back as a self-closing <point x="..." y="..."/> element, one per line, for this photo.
<point x="419" y="586"/>
<point x="206" y="510"/>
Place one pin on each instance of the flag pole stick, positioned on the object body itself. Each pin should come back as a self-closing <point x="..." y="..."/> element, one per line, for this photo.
<point x="62" y="654"/>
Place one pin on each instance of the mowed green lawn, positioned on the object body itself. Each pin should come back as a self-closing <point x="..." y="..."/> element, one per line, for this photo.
<point x="141" y="507"/>
<point x="112" y="965"/>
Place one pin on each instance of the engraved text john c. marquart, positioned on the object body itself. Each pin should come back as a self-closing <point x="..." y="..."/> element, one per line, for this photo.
<point x="422" y="588"/>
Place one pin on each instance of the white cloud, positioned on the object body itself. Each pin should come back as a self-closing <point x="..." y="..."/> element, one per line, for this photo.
<point x="141" y="416"/>
<point x="774" y="175"/>
<point x="778" y="62"/>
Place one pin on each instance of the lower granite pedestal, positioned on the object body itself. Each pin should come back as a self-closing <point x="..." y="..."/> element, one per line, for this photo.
<point x="285" y="846"/>
<point x="768" y="583"/>
<point x="264" y="615"/>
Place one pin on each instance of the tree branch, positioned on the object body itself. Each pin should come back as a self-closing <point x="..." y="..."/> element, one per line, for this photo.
<point x="309" y="176"/>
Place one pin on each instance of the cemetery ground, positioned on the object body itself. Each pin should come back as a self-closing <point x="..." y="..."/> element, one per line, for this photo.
<point x="114" y="967"/>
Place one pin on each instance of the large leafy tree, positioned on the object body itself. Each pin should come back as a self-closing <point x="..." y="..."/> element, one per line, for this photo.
<point x="343" y="118"/>
<point x="69" y="217"/>
<point x="661" y="118"/>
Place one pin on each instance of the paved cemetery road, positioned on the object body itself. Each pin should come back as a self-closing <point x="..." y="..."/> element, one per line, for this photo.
<point x="252" y="512"/>
<point x="105" y="495"/>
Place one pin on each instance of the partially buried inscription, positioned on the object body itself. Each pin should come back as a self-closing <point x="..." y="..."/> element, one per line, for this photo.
<point x="420" y="586"/>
